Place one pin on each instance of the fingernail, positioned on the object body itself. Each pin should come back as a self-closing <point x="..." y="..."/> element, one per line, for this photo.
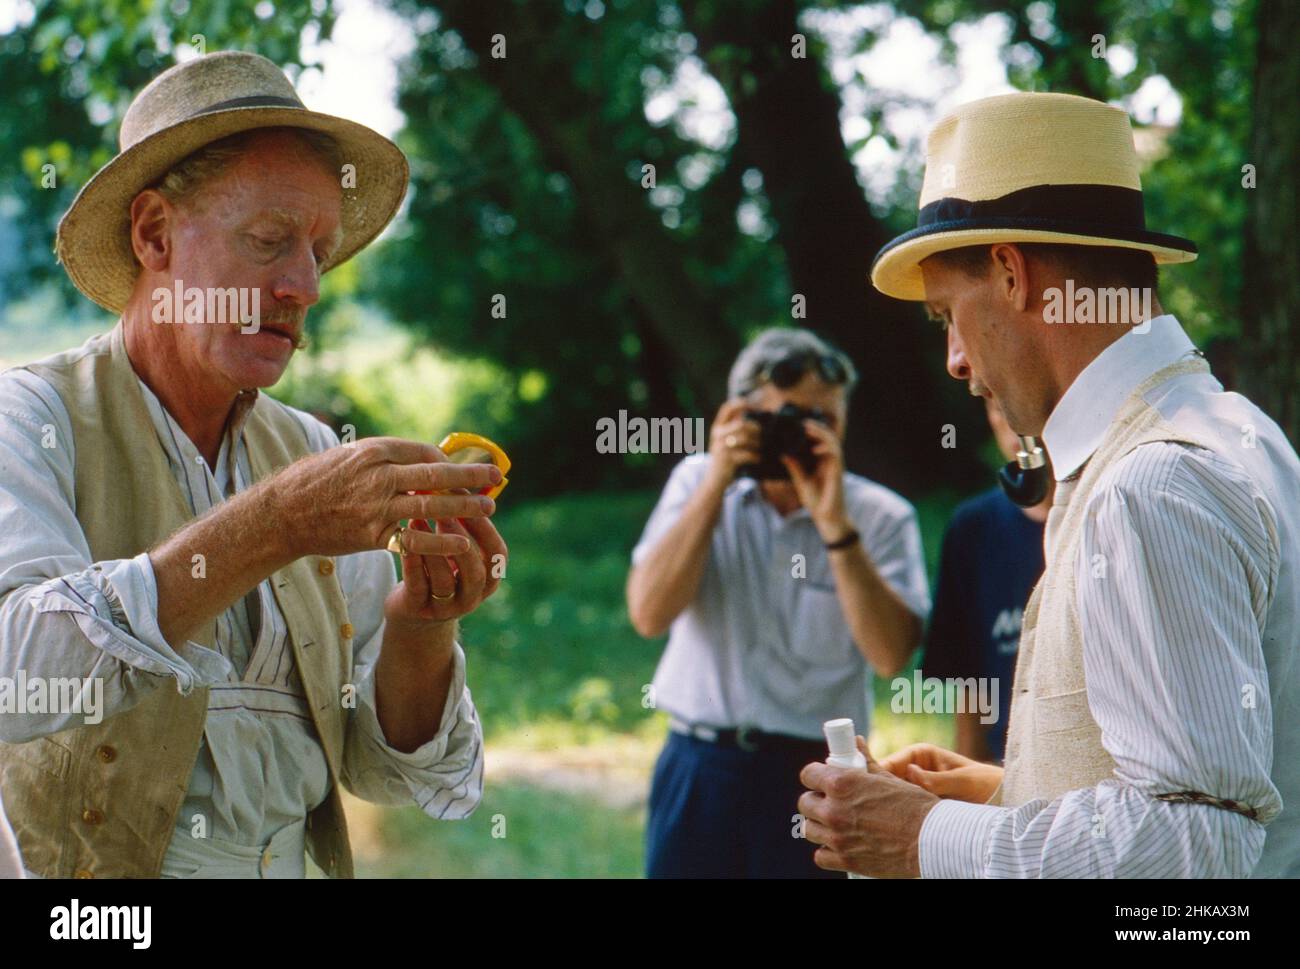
<point x="488" y="504"/>
<point x="495" y="475"/>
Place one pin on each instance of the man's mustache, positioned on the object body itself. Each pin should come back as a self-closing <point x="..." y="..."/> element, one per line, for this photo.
<point x="290" y="321"/>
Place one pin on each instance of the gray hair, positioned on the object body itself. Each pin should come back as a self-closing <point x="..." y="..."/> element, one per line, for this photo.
<point x="199" y="168"/>
<point x="777" y="344"/>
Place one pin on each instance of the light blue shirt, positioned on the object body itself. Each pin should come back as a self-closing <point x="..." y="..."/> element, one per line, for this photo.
<point x="765" y="643"/>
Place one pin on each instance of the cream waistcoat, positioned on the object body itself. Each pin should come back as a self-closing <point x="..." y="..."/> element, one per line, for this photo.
<point x="101" y="800"/>
<point x="1053" y="743"/>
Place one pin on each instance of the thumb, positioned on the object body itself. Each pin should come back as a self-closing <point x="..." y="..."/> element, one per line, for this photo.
<point x="872" y="764"/>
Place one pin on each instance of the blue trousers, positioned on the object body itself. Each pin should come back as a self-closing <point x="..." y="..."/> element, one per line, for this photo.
<point x="721" y="812"/>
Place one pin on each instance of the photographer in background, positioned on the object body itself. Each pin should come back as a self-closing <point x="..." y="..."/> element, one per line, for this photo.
<point x="785" y="581"/>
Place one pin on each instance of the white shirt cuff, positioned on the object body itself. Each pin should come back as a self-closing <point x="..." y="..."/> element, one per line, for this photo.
<point x="954" y="839"/>
<point x="137" y="587"/>
<point x="429" y="754"/>
<point x="116" y="606"/>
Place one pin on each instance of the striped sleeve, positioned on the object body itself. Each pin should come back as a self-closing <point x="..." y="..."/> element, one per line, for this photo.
<point x="1175" y="567"/>
<point x="444" y="776"/>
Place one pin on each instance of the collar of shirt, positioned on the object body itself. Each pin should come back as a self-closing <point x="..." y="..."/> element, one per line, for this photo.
<point x="242" y="406"/>
<point x="1079" y="420"/>
<point x="748" y="491"/>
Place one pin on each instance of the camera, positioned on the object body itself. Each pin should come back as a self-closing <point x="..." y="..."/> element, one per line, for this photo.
<point x="781" y="432"/>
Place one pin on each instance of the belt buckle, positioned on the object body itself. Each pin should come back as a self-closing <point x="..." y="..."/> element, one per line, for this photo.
<point x="743" y="741"/>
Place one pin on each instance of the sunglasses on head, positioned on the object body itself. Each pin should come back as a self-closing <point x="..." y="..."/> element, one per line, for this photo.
<point x="788" y="371"/>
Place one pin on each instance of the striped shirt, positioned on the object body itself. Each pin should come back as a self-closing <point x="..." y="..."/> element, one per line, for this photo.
<point x="1189" y="643"/>
<point x="260" y="767"/>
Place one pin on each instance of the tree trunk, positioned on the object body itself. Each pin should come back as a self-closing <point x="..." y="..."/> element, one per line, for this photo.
<point x="1270" y="324"/>
<point x="788" y="122"/>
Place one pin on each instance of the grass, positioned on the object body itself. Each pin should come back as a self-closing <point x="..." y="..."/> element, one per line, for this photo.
<point x="557" y="674"/>
<point x="519" y="830"/>
<point x="39" y="325"/>
<point x="553" y="652"/>
<point x="523" y="829"/>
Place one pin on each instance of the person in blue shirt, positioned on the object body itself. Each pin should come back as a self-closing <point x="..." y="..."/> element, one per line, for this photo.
<point x="992" y="557"/>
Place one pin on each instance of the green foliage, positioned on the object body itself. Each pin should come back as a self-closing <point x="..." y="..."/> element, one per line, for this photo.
<point x="493" y="211"/>
<point x="362" y="371"/>
<point x="499" y="205"/>
<point x="1206" y="50"/>
<point x="560" y="616"/>
<point x="70" y="74"/>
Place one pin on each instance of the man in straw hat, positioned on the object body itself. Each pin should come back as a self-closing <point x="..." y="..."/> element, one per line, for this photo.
<point x="204" y="558"/>
<point x="1155" y="718"/>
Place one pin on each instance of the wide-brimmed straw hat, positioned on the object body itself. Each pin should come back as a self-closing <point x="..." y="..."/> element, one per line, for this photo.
<point x="180" y="111"/>
<point x="1026" y="168"/>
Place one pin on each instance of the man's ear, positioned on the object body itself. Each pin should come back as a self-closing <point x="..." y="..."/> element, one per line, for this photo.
<point x="152" y="218"/>
<point x="1011" y="272"/>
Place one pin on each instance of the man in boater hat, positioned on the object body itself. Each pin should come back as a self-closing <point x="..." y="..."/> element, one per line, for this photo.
<point x="193" y="574"/>
<point x="1155" y="717"/>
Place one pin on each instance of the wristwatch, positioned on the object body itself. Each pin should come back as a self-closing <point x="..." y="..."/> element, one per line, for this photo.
<point x="849" y="539"/>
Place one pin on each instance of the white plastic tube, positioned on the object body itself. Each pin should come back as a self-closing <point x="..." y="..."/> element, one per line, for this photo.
<point x="841" y="739"/>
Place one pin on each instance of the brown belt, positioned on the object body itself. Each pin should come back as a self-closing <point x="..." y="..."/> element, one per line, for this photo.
<point x="1196" y="797"/>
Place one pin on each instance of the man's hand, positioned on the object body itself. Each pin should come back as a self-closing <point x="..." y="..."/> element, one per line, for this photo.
<point x="733" y="441"/>
<point x="352" y="498"/>
<point x="468" y="578"/>
<point x="945" y="773"/>
<point x="822" y="491"/>
<point x="347" y="499"/>
<point x="414" y="670"/>
<point x="866" y="821"/>
<point x="883" y="626"/>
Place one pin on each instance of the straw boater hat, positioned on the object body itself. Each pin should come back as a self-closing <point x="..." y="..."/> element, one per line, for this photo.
<point x="180" y="111"/>
<point x="1026" y="168"/>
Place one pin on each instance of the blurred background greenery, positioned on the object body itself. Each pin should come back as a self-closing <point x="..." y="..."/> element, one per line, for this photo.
<point x="775" y="176"/>
<point x="558" y="677"/>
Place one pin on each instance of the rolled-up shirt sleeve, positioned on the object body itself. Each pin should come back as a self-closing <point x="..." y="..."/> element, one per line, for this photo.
<point x="1174" y="567"/>
<point x="892" y="538"/>
<point x="62" y="614"/>
<point x="685" y="478"/>
<point x="444" y="776"/>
